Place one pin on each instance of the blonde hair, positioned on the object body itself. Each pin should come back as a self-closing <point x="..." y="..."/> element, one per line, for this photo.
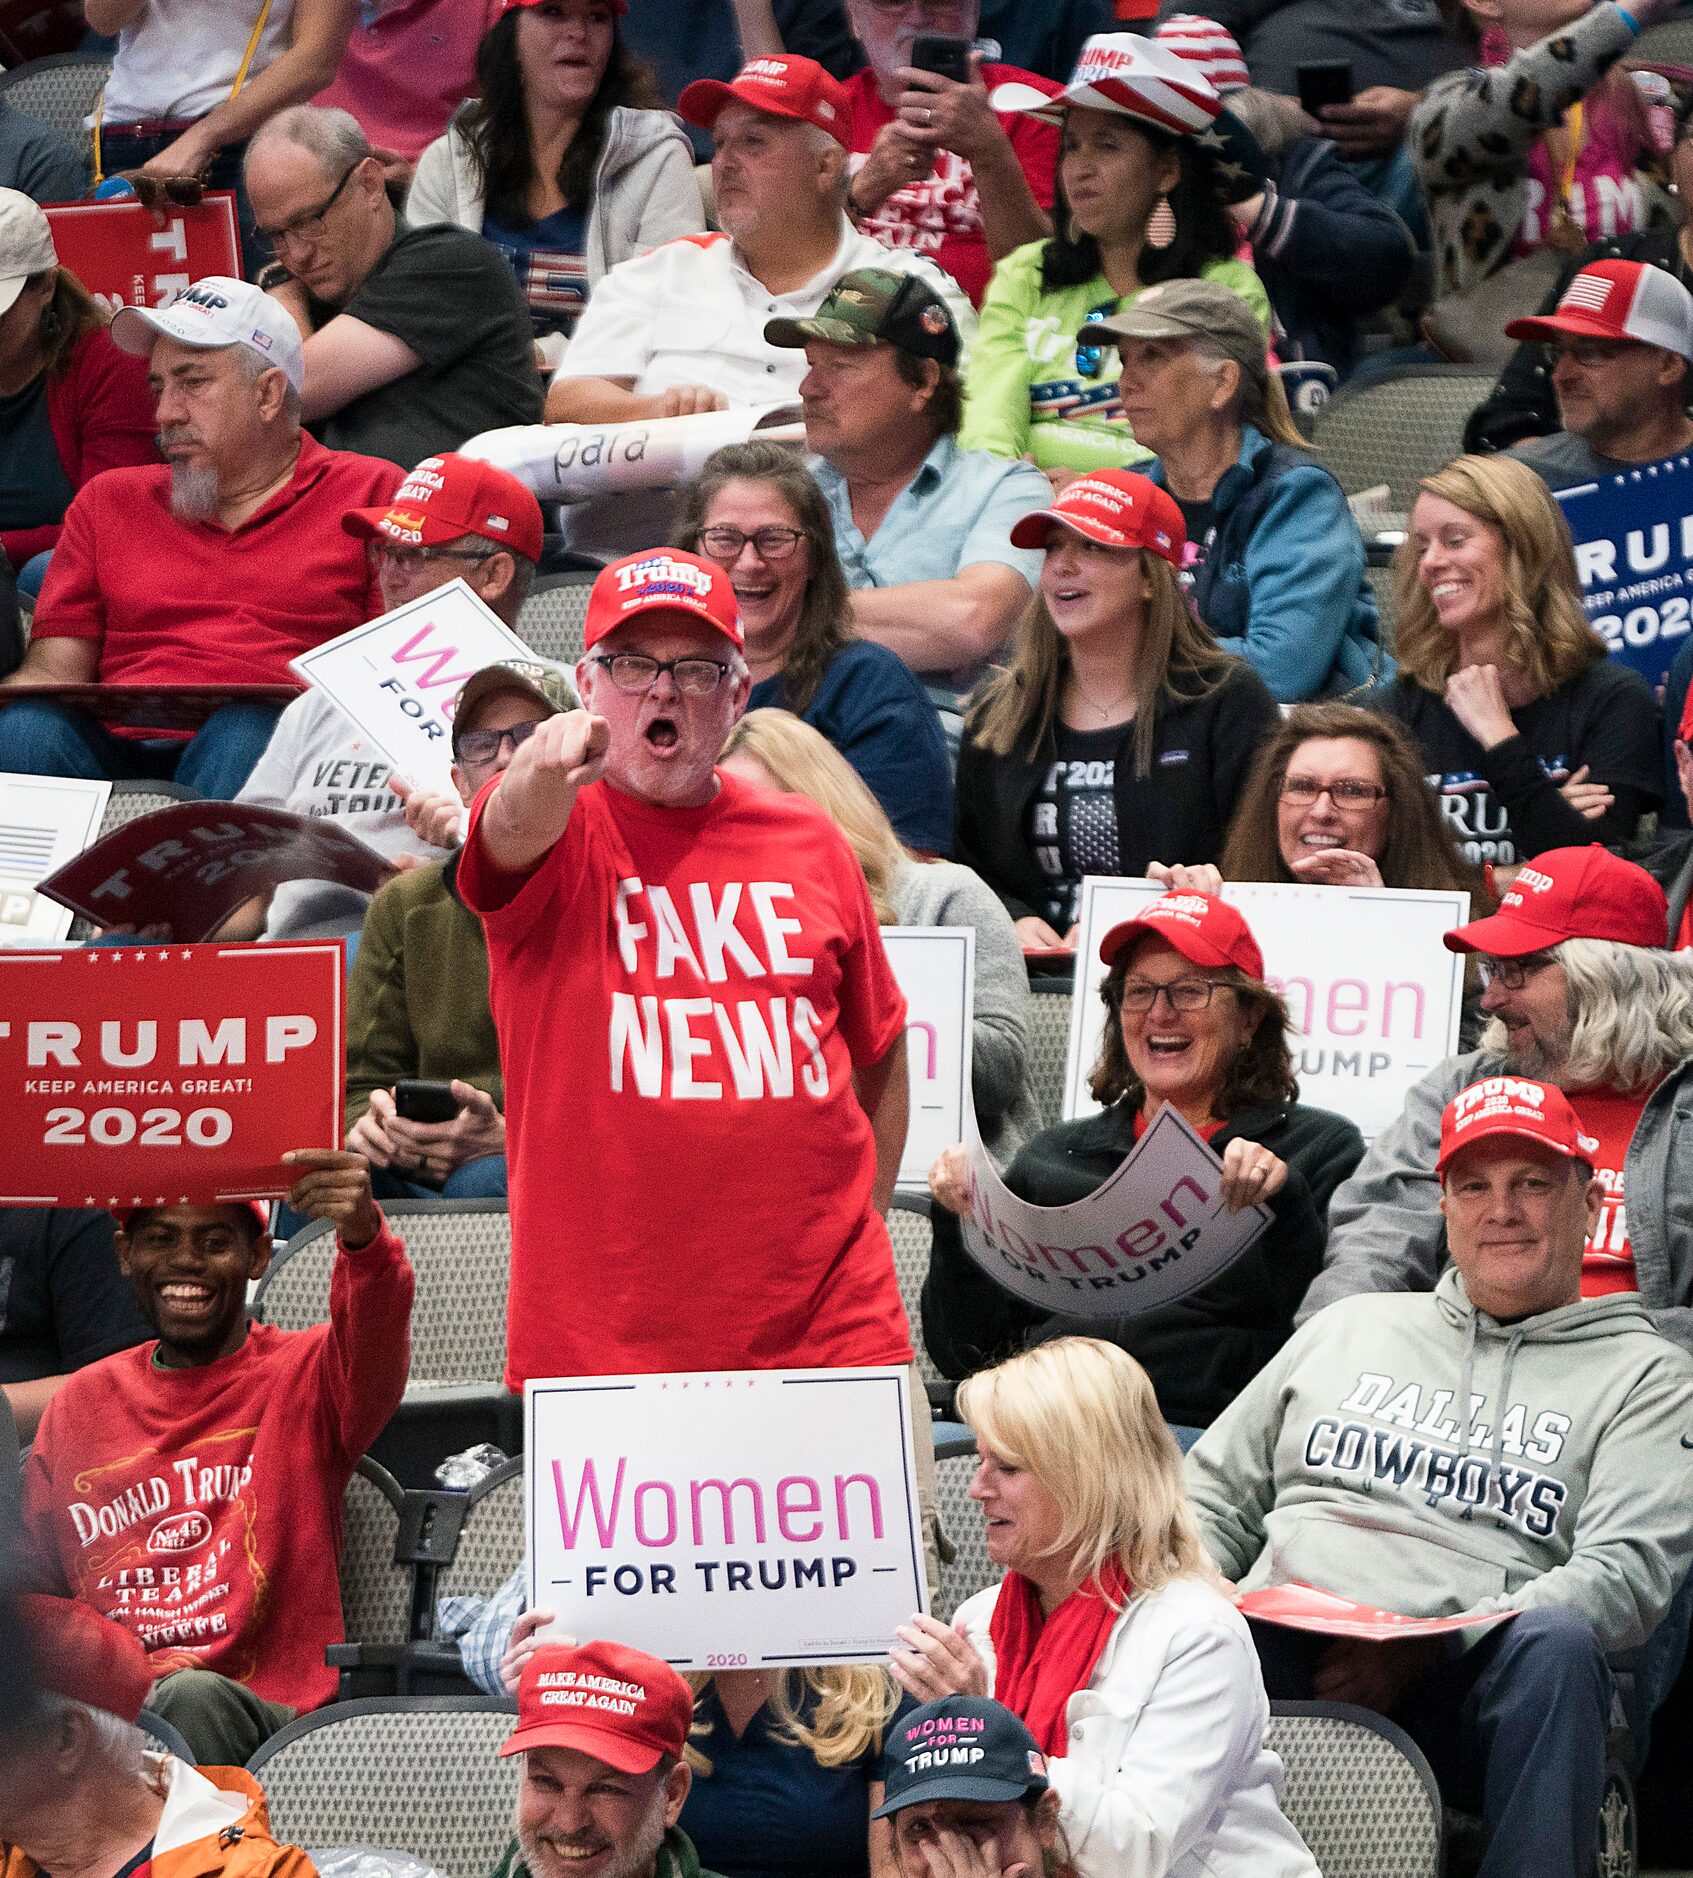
<point x="850" y="1704"/>
<point x="805" y="763"/>
<point x="1547" y="637"/>
<point x="1081" y="1416"/>
<point x="1176" y="661"/>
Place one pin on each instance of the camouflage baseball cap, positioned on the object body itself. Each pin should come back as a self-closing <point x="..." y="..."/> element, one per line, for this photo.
<point x="874" y="306"/>
<point x="540" y="679"/>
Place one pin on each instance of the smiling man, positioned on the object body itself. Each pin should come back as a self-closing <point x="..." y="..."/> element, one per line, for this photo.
<point x="1581" y="993"/>
<point x="190" y="1489"/>
<point x="1506" y="1444"/>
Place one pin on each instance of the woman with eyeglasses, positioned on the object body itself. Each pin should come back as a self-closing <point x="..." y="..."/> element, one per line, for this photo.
<point x="1119" y="732"/>
<point x="71" y="404"/>
<point x="565" y="160"/>
<point x="1138" y="200"/>
<point x="756" y="511"/>
<point x="1190" y="1022"/>
<point x="1531" y="735"/>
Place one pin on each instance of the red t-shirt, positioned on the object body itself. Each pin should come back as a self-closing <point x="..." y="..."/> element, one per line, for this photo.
<point x="173" y="602"/>
<point x="201" y="1508"/>
<point x="940" y="215"/>
<point x="681" y="996"/>
<point x="408" y="68"/>
<point x="1607" y="1262"/>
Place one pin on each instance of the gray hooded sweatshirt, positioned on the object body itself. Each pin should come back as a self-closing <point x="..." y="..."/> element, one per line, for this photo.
<point x="1347" y="1463"/>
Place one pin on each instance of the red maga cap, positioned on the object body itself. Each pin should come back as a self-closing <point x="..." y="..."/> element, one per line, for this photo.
<point x="662" y="580"/>
<point x="783" y="84"/>
<point x="1511" y="1105"/>
<point x="124" y="1215"/>
<point x="1207" y="931"/>
<point x="1570" y="893"/>
<point x="1114" y="507"/>
<point x="619" y="1705"/>
<point x="448" y="497"/>
<point x="85" y="1657"/>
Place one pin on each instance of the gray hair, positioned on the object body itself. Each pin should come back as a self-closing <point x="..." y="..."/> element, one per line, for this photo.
<point x="334" y="137"/>
<point x="253" y="366"/>
<point x="119" y="1745"/>
<point x="1631" y="1014"/>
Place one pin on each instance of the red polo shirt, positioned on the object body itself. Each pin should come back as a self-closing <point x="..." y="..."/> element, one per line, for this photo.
<point x="174" y="602"/>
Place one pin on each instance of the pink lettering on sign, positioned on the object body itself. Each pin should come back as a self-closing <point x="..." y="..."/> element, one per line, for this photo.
<point x="719" y="1511"/>
<point x="437" y="676"/>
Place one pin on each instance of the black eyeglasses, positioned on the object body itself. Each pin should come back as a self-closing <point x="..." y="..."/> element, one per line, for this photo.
<point x="1345" y="794"/>
<point x="483" y="746"/>
<point x="773" y="544"/>
<point x="635" y="672"/>
<point x="1186" y="994"/>
<point x="308" y="229"/>
<point x="1088" y="355"/>
<point x="1513" y="974"/>
<point x="413" y="560"/>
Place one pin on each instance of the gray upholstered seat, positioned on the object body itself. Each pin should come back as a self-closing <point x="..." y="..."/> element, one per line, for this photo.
<point x="1359" y="1790"/>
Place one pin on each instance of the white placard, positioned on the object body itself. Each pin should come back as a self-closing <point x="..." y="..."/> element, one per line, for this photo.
<point x="1154" y="1231"/>
<point x="726" y="1520"/>
<point x="396" y="677"/>
<point x="45" y="821"/>
<point x="936" y="969"/>
<point x="1375" y="997"/>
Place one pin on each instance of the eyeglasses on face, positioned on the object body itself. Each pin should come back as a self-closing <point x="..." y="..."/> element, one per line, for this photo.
<point x="635" y="672"/>
<point x="477" y="747"/>
<point x="1345" y="794"/>
<point x="724" y="543"/>
<point x="1589" y="353"/>
<point x="309" y="229"/>
<point x="1513" y="974"/>
<point x="413" y="560"/>
<point x="1185" y="994"/>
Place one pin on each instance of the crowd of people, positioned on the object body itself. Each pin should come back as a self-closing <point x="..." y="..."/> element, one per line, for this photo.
<point x="988" y="338"/>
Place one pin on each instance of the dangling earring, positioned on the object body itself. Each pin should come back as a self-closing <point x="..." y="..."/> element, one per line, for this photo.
<point x="50" y="323"/>
<point x="1161" y="225"/>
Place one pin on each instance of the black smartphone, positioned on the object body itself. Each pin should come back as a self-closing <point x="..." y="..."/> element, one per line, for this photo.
<point x="425" y="1101"/>
<point x="944" y="56"/>
<point x="1324" y="81"/>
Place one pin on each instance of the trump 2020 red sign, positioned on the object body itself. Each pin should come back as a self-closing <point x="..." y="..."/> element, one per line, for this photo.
<point x="167" y="1074"/>
<point x="123" y="257"/>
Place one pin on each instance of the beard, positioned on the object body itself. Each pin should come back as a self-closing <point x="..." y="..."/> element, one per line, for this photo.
<point x="1532" y="1056"/>
<point x="636" y="1858"/>
<point x="193" y="491"/>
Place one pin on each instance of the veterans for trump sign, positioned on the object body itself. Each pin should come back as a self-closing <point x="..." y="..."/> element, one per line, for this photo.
<point x="746" y="1519"/>
<point x="168" y="1073"/>
<point x="1156" y="1230"/>
<point x="1374" y="996"/>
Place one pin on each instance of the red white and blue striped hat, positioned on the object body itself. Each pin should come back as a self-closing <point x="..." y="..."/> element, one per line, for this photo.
<point x="1126" y="73"/>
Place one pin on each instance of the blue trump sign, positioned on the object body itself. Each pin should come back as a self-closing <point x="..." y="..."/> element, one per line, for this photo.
<point x="1633" y="535"/>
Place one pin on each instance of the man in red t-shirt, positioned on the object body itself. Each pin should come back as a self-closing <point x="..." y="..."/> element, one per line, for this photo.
<point x="212" y="569"/>
<point x="702" y="1041"/>
<point x="190" y="1489"/>
<point x="934" y="167"/>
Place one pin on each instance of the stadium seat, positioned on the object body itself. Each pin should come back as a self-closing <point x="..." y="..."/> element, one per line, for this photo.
<point x="1397" y="428"/>
<point x="409" y="1774"/>
<point x="908" y="1227"/>
<point x="551" y="619"/>
<point x="376" y="1589"/>
<point x="1359" y="1790"/>
<point x="490" y="1545"/>
<point x="971" y="1569"/>
<point x="129" y="801"/>
<point x="162" y="1738"/>
<point x="1380" y="572"/>
<point x="1049" y="1044"/>
<point x="60" y="91"/>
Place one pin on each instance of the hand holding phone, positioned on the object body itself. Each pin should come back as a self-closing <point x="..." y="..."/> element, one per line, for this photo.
<point x="943" y="55"/>
<point x="417" y="1101"/>
<point x="1324" y="81"/>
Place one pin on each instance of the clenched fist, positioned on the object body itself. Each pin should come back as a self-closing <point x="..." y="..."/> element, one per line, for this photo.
<point x="569" y="748"/>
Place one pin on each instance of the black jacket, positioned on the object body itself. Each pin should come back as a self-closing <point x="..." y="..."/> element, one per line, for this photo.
<point x="1179" y="811"/>
<point x="1203" y="1349"/>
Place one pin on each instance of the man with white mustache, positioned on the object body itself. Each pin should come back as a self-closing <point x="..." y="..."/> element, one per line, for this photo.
<point x="213" y="569"/>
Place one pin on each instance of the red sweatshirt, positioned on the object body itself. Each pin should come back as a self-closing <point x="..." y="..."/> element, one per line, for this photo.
<point x="201" y="1508"/>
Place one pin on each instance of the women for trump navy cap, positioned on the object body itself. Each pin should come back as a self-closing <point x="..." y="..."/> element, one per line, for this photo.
<point x="963" y="1747"/>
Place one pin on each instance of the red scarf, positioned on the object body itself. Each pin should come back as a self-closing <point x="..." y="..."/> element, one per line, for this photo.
<point x="1041" y="1661"/>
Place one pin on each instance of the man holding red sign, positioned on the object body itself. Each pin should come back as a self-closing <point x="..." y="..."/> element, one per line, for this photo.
<point x="190" y="1489"/>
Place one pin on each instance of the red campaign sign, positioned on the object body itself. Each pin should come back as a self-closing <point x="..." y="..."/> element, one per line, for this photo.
<point x="123" y="257"/>
<point x="188" y="867"/>
<point x="167" y="1074"/>
<point x="1303" y="1607"/>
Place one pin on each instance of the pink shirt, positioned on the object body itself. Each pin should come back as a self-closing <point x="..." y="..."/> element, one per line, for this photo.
<point x="409" y="68"/>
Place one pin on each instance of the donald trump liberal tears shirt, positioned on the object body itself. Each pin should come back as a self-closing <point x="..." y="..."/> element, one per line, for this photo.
<point x="682" y="996"/>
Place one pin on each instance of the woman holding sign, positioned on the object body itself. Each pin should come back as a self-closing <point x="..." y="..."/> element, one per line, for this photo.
<point x="1532" y="737"/>
<point x="1191" y="1022"/>
<point x="1110" y="1634"/>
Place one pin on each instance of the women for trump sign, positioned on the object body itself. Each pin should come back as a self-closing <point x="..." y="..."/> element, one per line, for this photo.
<point x="743" y="1519"/>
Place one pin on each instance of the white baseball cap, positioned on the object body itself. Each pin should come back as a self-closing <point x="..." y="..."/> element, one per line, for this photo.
<point x="217" y="312"/>
<point x="26" y="244"/>
<point x="1618" y="300"/>
<point x="1124" y="72"/>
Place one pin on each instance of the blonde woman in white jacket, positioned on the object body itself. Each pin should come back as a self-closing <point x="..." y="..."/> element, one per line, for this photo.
<point x="564" y="161"/>
<point x="1109" y="1634"/>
